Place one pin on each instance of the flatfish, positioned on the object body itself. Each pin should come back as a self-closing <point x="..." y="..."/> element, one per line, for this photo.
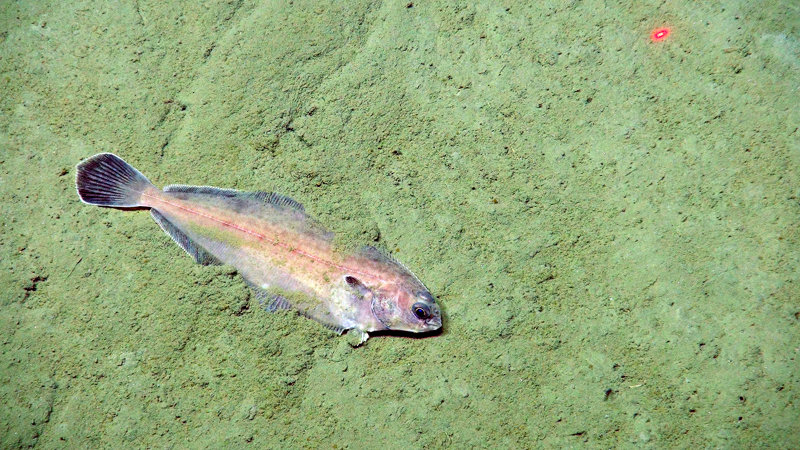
<point x="286" y="257"/>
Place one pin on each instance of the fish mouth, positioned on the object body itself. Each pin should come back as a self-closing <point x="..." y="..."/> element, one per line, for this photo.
<point x="434" y="324"/>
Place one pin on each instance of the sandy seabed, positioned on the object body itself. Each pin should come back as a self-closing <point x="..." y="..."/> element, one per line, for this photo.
<point x="609" y="223"/>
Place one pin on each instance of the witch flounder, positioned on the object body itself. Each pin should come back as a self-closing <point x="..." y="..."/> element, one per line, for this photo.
<point x="286" y="257"/>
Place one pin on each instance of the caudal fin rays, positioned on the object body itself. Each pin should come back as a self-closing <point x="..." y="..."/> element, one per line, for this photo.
<point x="107" y="180"/>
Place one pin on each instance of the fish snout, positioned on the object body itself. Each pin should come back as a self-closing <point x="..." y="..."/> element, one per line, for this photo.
<point x="435" y="323"/>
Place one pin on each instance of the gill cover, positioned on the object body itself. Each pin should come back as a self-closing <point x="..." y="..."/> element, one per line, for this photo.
<point x="385" y="309"/>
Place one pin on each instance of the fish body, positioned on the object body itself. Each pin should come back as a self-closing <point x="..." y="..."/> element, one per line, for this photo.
<point x="286" y="257"/>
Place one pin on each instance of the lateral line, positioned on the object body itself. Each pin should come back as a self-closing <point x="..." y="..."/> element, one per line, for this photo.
<point x="260" y="236"/>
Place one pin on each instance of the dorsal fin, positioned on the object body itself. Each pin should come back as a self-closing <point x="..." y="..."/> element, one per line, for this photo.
<point x="266" y="197"/>
<point x="383" y="255"/>
<point x="380" y="254"/>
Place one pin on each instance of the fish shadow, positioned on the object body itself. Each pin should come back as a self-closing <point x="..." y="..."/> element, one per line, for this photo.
<point x="407" y="334"/>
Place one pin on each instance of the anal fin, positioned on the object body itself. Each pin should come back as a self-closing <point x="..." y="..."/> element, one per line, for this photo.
<point x="269" y="301"/>
<point x="335" y="328"/>
<point x="275" y="302"/>
<point x="200" y="255"/>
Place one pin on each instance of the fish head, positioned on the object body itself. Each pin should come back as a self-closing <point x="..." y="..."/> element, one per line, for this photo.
<point x="406" y="307"/>
<point x="397" y="299"/>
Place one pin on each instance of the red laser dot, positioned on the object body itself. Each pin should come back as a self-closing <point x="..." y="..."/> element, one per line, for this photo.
<point x="659" y="34"/>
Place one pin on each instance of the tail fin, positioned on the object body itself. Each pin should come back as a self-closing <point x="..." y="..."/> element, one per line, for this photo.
<point x="106" y="180"/>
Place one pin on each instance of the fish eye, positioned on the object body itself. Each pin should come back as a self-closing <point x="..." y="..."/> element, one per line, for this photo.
<point x="421" y="310"/>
